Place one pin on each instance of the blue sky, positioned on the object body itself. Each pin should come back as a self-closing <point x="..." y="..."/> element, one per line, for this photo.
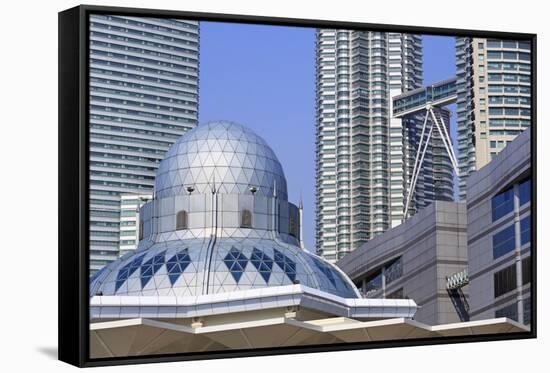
<point x="439" y="64"/>
<point x="264" y="78"/>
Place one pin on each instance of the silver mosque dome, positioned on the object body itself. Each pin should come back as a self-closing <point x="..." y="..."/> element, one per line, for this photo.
<point x="224" y="154"/>
<point x="219" y="235"/>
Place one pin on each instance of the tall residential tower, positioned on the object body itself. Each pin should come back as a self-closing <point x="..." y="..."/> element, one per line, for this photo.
<point x="143" y="97"/>
<point x="365" y="156"/>
<point x="493" y="99"/>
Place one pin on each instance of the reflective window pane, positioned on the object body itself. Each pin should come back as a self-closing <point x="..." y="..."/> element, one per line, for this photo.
<point x="502" y="203"/>
<point x="504" y="241"/>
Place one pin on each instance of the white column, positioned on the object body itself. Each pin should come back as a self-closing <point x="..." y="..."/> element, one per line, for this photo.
<point x="519" y="272"/>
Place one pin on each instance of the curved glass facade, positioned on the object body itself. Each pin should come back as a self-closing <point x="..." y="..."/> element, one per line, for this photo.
<point x="221" y="155"/>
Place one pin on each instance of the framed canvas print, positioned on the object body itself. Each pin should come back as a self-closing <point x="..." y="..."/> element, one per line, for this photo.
<point x="233" y="186"/>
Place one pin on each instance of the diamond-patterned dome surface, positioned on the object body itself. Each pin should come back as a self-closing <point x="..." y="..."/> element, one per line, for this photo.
<point x="178" y="268"/>
<point x="224" y="154"/>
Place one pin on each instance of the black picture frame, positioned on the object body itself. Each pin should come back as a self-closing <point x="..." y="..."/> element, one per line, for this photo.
<point x="74" y="185"/>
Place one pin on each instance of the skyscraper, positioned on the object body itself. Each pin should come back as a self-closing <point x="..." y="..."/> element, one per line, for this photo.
<point x="365" y="156"/>
<point x="143" y="96"/>
<point x="129" y="231"/>
<point x="493" y="99"/>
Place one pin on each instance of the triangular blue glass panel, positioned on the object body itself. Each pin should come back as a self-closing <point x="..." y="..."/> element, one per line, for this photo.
<point x="236" y="275"/>
<point x="145" y="280"/>
<point x="265" y="276"/>
<point x="174" y="277"/>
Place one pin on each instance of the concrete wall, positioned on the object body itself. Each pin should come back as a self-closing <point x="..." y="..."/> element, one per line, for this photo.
<point x="432" y="245"/>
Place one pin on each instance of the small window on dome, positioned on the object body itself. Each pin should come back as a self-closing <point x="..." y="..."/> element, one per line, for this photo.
<point x="246" y="219"/>
<point x="140" y="230"/>
<point x="181" y="220"/>
<point x="292" y="227"/>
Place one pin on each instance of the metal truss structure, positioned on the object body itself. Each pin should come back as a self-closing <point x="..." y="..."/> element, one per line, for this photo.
<point x="431" y="119"/>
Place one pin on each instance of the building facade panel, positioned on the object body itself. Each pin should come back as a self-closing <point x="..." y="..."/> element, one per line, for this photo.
<point x="414" y="260"/>
<point x="499" y="234"/>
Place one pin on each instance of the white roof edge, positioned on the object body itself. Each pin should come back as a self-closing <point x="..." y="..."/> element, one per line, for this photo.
<point x="475" y="323"/>
<point x="255" y="299"/>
